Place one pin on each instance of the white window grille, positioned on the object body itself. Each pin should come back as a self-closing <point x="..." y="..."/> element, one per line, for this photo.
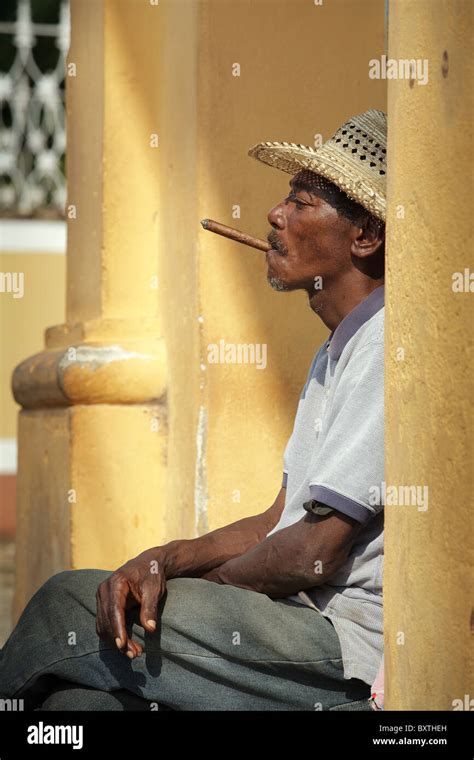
<point x="32" y="116"/>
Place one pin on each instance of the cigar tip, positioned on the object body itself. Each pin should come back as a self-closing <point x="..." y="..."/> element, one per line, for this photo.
<point x="205" y="223"/>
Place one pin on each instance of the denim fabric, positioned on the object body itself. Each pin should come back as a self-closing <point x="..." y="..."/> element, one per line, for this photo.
<point x="216" y="647"/>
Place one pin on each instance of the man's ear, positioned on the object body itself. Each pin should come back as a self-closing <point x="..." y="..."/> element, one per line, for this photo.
<point x="368" y="237"/>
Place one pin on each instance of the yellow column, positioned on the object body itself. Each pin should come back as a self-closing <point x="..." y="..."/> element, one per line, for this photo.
<point x="93" y="428"/>
<point x="429" y="393"/>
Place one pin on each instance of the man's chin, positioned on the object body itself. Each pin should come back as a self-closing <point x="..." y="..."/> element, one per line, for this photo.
<point x="277" y="284"/>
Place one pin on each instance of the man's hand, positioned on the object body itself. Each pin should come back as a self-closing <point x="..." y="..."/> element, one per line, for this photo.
<point x="140" y="582"/>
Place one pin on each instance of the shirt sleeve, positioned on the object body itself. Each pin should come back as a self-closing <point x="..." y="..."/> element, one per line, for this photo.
<point x="349" y="465"/>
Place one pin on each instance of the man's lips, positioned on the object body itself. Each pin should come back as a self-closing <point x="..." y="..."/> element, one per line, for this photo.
<point x="274" y="259"/>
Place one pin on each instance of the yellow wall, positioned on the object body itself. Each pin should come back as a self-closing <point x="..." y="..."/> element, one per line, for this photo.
<point x="429" y="390"/>
<point x="178" y="225"/>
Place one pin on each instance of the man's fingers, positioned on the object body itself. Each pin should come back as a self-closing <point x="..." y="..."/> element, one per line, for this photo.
<point x="101" y="620"/>
<point x="104" y="625"/>
<point x="118" y="596"/>
<point x="133" y="649"/>
<point x="151" y="594"/>
<point x="114" y="597"/>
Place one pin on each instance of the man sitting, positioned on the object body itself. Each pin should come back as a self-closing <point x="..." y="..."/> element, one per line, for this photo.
<point x="282" y="610"/>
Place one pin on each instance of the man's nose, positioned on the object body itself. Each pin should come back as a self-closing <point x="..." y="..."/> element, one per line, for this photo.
<point x="276" y="216"/>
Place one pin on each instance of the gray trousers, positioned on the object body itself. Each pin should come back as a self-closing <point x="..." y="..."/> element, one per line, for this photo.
<point x="216" y="647"/>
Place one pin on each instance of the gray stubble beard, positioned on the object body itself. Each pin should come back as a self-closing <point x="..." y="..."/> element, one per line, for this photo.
<point x="277" y="284"/>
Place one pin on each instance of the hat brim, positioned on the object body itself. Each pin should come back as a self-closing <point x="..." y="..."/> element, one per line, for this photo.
<point x="326" y="161"/>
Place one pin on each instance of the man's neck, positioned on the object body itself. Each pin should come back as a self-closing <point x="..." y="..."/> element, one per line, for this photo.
<point x="336" y="301"/>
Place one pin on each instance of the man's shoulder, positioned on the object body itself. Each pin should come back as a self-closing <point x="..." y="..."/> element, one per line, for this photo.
<point x="368" y="338"/>
<point x="370" y="335"/>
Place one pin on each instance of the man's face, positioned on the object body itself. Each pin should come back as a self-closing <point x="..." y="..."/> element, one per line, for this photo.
<point x="308" y="241"/>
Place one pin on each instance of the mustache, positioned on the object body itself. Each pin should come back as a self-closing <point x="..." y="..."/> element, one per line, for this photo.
<point x="275" y="243"/>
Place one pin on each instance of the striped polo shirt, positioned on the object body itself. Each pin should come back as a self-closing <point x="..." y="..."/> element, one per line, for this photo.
<point x="335" y="457"/>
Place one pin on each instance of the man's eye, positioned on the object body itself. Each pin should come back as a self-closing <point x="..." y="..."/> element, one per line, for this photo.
<point x="299" y="205"/>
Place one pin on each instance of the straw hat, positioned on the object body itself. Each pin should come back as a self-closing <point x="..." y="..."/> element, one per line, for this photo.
<point x="353" y="159"/>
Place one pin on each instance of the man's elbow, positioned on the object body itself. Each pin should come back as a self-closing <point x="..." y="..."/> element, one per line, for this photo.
<point x="329" y="540"/>
<point x="319" y="568"/>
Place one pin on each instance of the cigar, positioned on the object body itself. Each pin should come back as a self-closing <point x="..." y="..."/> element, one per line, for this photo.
<point x="239" y="237"/>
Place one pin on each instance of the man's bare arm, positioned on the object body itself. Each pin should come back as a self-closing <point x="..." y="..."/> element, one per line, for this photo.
<point x="303" y="555"/>
<point x="194" y="557"/>
<point x="142" y="580"/>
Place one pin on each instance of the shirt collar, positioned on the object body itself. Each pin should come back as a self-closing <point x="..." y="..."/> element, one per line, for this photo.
<point x="353" y="321"/>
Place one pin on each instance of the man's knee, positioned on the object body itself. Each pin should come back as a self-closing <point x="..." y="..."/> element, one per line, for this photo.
<point x="71" y="578"/>
<point x="78" y="584"/>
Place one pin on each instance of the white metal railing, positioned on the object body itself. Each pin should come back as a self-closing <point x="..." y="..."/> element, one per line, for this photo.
<point x="32" y="120"/>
